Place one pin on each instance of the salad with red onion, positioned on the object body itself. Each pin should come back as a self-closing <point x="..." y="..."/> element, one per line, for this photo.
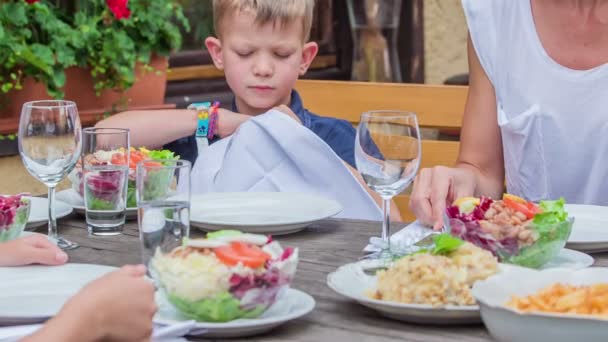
<point x="515" y="230"/>
<point x="14" y="212"/>
<point x="227" y="276"/>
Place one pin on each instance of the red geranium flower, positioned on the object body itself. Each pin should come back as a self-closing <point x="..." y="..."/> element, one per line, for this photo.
<point x="31" y="1"/>
<point x="119" y="8"/>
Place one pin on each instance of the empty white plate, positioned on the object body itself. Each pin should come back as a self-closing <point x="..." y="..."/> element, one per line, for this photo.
<point x="260" y="212"/>
<point x="39" y="213"/>
<point x="293" y="304"/>
<point x="32" y="294"/>
<point x="73" y="198"/>
<point x="590" y="229"/>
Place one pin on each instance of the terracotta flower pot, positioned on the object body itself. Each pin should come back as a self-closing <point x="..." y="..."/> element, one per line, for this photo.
<point x="148" y="90"/>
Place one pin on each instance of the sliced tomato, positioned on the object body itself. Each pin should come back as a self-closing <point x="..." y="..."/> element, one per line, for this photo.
<point x="518" y="206"/>
<point x="533" y="207"/>
<point x="514" y="198"/>
<point x="238" y="252"/>
<point x="119" y="159"/>
<point x="152" y="164"/>
<point x="249" y="250"/>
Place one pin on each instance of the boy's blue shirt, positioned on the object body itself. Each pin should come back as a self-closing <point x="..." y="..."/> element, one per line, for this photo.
<point x="338" y="134"/>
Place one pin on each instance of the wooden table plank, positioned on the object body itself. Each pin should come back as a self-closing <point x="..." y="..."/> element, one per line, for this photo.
<point x="323" y="247"/>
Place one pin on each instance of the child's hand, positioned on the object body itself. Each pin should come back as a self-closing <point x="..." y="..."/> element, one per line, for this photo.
<point x="229" y="121"/>
<point x="33" y="249"/>
<point x="116" y="307"/>
<point x="286" y="110"/>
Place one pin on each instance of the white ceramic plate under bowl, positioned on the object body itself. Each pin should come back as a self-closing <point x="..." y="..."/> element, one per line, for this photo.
<point x="291" y="305"/>
<point x="73" y="198"/>
<point x="352" y="281"/>
<point x="568" y="258"/>
<point x="590" y="229"/>
<point x="39" y="213"/>
<point x="32" y="294"/>
<point x="506" y="324"/>
<point x="259" y="212"/>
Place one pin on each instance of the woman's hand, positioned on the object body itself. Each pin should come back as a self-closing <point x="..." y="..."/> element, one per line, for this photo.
<point x="33" y="249"/>
<point x="435" y="188"/>
<point x="116" y="307"/>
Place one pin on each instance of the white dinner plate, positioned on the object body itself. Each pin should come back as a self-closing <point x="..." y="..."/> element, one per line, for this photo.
<point x="590" y="229"/>
<point x="260" y="212"/>
<point x="73" y="198"/>
<point x="291" y="305"/>
<point x="32" y="294"/>
<point x="39" y="212"/>
<point x="568" y="258"/>
<point x="352" y="281"/>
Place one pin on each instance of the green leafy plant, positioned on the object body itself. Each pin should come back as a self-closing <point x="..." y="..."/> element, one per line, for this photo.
<point x="42" y="38"/>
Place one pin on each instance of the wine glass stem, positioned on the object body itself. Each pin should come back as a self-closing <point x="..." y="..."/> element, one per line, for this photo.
<point x="386" y="222"/>
<point x="52" y="220"/>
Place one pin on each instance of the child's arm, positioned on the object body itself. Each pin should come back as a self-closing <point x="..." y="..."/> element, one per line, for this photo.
<point x="155" y="128"/>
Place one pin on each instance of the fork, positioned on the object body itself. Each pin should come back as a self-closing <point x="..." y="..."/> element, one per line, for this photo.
<point x="428" y="240"/>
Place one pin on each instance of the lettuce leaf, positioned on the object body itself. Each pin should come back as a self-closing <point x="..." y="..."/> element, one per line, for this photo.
<point x="445" y="244"/>
<point x="162" y="154"/>
<point x="222" y="308"/>
<point x="553" y="212"/>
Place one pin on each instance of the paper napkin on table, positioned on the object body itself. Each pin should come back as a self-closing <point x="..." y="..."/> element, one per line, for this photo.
<point x="405" y="237"/>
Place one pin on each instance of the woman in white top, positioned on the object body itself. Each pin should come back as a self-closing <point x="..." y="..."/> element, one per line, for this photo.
<point x="537" y="110"/>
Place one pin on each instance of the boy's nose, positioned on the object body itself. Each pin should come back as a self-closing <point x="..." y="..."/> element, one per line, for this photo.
<point x="262" y="68"/>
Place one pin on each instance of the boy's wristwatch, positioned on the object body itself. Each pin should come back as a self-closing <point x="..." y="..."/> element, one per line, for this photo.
<point x="206" y="120"/>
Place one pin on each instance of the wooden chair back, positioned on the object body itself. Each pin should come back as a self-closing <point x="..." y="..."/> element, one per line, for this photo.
<point x="437" y="107"/>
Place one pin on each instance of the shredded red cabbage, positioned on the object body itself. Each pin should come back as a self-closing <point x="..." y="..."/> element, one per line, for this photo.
<point x="466" y="227"/>
<point x="269" y="283"/>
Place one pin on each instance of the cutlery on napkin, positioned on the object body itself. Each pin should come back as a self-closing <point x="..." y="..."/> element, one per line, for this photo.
<point x="403" y="240"/>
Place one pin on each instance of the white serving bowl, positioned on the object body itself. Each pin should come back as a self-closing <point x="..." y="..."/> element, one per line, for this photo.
<point x="507" y="324"/>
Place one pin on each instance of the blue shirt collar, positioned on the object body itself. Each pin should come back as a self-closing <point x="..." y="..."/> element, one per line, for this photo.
<point x="295" y="105"/>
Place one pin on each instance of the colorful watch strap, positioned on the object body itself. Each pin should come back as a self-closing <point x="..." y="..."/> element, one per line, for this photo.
<point x="206" y="113"/>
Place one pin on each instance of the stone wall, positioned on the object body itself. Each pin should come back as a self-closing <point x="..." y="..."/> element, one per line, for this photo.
<point x="445" y="37"/>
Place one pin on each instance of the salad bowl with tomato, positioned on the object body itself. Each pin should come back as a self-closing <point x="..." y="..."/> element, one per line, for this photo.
<point x="515" y="230"/>
<point x="118" y="157"/>
<point x="228" y="275"/>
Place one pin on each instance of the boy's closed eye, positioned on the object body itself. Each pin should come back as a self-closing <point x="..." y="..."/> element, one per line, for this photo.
<point x="243" y="53"/>
<point x="283" y="54"/>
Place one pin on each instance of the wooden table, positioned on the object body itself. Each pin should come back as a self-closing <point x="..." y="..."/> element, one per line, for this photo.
<point x="323" y="247"/>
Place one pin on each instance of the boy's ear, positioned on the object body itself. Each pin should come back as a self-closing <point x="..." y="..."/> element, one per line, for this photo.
<point x="214" y="46"/>
<point x="309" y="52"/>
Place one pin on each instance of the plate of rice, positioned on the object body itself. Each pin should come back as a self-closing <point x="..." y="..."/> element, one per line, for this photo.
<point x="430" y="287"/>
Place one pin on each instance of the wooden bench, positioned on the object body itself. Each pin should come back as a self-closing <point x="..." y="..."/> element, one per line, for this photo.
<point x="437" y="107"/>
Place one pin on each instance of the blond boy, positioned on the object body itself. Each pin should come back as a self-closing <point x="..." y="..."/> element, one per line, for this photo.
<point x="262" y="47"/>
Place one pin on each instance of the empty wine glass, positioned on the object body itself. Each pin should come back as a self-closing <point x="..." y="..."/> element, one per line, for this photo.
<point x="387" y="154"/>
<point x="50" y="145"/>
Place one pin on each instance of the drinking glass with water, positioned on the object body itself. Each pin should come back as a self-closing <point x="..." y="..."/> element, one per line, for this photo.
<point x="105" y="175"/>
<point x="163" y="206"/>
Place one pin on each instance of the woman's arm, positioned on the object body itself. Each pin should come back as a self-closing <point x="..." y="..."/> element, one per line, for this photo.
<point x="480" y="139"/>
<point x="480" y="166"/>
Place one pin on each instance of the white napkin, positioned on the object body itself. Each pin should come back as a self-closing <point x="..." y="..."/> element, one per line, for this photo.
<point x="402" y="239"/>
<point x="162" y="333"/>
<point x="272" y="152"/>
